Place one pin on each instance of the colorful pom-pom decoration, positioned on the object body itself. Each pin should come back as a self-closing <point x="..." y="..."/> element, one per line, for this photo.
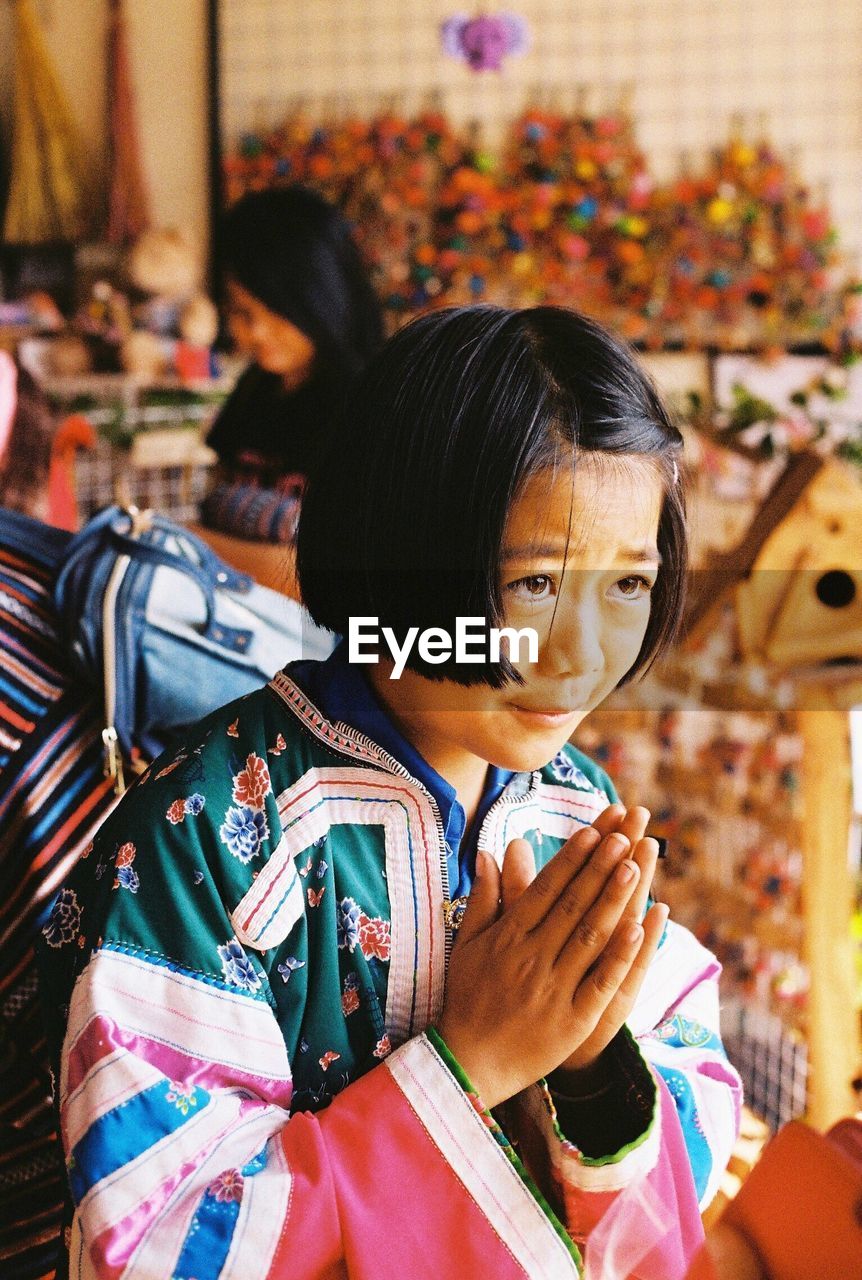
<point x="485" y="40"/>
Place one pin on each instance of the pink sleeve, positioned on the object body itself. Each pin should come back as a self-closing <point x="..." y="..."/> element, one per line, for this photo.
<point x="185" y="1161"/>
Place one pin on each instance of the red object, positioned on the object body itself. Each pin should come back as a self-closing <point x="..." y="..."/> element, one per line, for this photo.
<point x="192" y="363"/>
<point x="75" y="432"/>
<point x="800" y="1209"/>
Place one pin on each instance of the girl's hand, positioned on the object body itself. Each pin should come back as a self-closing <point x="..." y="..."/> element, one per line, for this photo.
<point x="582" y="1065"/>
<point x="528" y="988"/>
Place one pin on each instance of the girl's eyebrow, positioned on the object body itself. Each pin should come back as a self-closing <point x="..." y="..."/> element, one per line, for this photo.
<point x="535" y="551"/>
<point x="641" y="555"/>
<point x="538" y="550"/>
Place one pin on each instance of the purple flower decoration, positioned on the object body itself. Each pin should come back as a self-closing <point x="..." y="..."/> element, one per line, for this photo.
<point x="567" y="771"/>
<point x="347" y="924"/>
<point x="127" y="878"/>
<point x="243" y="831"/>
<point x="484" y="41"/>
<point x="194" y="804"/>
<point x="236" y="966"/>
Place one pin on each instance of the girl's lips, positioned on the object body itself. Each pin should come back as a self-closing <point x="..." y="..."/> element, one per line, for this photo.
<point x="549" y="718"/>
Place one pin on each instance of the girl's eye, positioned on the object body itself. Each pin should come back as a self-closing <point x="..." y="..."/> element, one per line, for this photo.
<point x="535" y="587"/>
<point x="633" y="588"/>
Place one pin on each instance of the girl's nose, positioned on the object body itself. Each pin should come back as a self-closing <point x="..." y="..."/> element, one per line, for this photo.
<point x="573" y="644"/>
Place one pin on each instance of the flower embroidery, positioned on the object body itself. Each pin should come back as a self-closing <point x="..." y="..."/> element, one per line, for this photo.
<point x="567" y="771"/>
<point x="64" y="922"/>
<point x="328" y="1058"/>
<point x="176" y="812"/>
<point x="183" y="1097"/>
<point x="374" y="938"/>
<point x="194" y="804"/>
<point x="383" y="1047"/>
<point x="347" y="924"/>
<point x="290" y="966"/>
<point x="350" y="995"/>
<point x="125" y="854"/>
<point x="237" y="968"/>
<point x="243" y="831"/>
<point x="251" y="785"/>
<point x="127" y="878"/>
<point x="227" y="1187"/>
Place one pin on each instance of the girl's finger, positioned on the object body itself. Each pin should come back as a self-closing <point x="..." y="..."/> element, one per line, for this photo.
<point x="579" y="930"/>
<point x="483" y="904"/>
<point x="519" y="871"/>
<point x="601" y="985"/>
<point x="634" y="824"/>
<point x="653" y="928"/>
<point x="543" y="894"/>
<point x="609" y="819"/>
<point x="645" y="854"/>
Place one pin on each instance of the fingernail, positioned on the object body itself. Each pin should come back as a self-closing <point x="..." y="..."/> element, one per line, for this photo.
<point x="627" y="872"/>
<point x="617" y="845"/>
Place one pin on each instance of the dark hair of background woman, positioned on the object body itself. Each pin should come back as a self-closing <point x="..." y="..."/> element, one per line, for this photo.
<point x="295" y="253"/>
<point x="404" y="519"/>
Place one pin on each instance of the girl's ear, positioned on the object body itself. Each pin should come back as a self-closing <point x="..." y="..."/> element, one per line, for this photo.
<point x="8" y="399"/>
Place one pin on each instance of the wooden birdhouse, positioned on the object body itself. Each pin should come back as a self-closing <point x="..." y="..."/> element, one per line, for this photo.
<point x="801" y="601"/>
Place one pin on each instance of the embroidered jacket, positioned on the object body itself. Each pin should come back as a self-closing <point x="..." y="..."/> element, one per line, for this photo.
<point x="254" y="953"/>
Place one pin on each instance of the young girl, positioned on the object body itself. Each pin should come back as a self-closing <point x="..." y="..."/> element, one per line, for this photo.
<point x="285" y="1034"/>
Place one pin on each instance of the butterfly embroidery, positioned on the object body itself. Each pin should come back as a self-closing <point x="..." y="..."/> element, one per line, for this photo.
<point x="280" y="745"/>
<point x="322" y="868"/>
<point x="233" y="729"/>
<point x="314" y="898"/>
<point x="328" y="1058"/>
<point x="169" y="768"/>
<point x="290" y="966"/>
<point x="303" y="871"/>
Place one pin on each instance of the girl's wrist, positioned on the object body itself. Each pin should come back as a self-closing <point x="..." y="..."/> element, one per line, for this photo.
<point x="469" y="1070"/>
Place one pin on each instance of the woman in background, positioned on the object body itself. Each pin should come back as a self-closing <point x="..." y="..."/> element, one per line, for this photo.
<point x="301" y="306"/>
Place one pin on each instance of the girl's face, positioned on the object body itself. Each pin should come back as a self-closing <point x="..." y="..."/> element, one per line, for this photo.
<point x="272" y="342"/>
<point x="578" y="566"/>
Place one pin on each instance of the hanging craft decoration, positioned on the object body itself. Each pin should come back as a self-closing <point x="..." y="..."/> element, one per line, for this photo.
<point x="734" y="254"/>
<point x="48" y="185"/>
<point x="128" y="198"/>
<point x="486" y="39"/>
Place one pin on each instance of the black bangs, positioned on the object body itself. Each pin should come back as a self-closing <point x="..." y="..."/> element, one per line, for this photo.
<point x="404" y="518"/>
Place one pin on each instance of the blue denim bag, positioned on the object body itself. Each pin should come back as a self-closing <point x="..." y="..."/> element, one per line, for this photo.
<point x="167" y="629"/>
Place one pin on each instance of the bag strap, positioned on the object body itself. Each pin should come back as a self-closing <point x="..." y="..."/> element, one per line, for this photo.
<point x="236" y="639"/>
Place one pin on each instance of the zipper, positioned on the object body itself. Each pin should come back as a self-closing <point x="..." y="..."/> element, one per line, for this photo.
<point x="393" y="766"/>
<point x="113" y="757"/>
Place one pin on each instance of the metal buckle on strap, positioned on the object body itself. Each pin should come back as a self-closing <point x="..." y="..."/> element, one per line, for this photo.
<point x="113" y="759"/>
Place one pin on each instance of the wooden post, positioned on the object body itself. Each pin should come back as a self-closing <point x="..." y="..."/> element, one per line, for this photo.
<point x="834" y="1041"/>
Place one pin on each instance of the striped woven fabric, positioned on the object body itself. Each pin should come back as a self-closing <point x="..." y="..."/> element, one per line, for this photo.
<point x="52" y="796"/>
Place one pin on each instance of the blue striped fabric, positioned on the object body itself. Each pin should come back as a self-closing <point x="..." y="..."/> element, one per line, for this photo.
<point x="52" y="795"/>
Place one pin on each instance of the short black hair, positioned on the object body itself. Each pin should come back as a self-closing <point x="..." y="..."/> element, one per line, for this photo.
<point x="404" y="518"/>
<point x="295" y="253"/>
